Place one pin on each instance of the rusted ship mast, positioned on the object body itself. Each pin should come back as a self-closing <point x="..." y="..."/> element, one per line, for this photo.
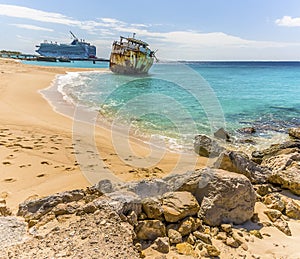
<point x="131" y="56"/>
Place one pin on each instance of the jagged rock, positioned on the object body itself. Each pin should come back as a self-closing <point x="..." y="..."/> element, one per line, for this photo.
<point x="89" y="208"/>
<point x="222" y="134"/>
<point x="178" y="205"/>
<point x="294" y="133"/>
<point x="125" y="202"/>
<point x="153" y="208"/>
<point x="212" y="250"/>
<point x="283" y="226"/>
<point x="191" y="239"/>
<point x="275" y="201"/>
<point x="35" y="209"/>
<point x="221" y="236"/>
<point x="185" y="249"/>
<point x="276" y="149"/>
<point x="272" y="214"/>
<point x="264" y="189"/>
<point x="174" y="236"/>
<point x="292" y="209"/>
<point x="203" y="237"/>
<point x="161" y="244"/>
<point x="247" y="130"/>
<point x="240" y="163"/>
<point x="226" y="228"/>
<point x="65" y="208"/>
<point x="132" y="218"/>
<point x="4" y="210"/>
<point x="256" y="233"/>
<point x="225" y="197"/>
<point x="289" y="179"/>
<point x="207" y="147"/>
<point x="232" y="242"/>
<point x="186" y="226"/>
<point x="150" y="229"/>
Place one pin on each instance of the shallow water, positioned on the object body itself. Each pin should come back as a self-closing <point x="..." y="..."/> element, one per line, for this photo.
<point x="176" y="101"/>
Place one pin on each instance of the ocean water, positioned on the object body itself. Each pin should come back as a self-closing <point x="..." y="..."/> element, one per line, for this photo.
<point x="76" y="64"/>
<point x="176" y="101"/>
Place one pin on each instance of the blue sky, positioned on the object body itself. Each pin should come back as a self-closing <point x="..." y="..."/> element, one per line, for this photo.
<point x="189" y="29"/>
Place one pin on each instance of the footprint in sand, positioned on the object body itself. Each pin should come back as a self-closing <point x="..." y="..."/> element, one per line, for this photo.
<point x="46" y="163"/>
<point x="6" y="163"/>
<point x="40" y="175"/>
<point x="10" y="180"/>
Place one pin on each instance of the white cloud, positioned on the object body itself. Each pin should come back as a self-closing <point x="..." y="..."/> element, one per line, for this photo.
<point x="31" y="27"/>
<point x="288" y="21"/>
<point x="36" y="15"/>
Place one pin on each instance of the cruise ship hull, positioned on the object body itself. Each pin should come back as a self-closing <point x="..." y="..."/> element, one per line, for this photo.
<point x="77" y="49"/>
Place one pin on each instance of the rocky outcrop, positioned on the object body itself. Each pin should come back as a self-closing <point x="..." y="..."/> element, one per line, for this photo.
<point x="178" y="205"/>
<point x="276" y="149"/>
<point x="228" y="197"/>
<point x="240" y="163"/>
<point x="222" y="134"/>
<point x="207" y="147"/>
<point x="294" y="133"/>
<point x="285" y="171"/>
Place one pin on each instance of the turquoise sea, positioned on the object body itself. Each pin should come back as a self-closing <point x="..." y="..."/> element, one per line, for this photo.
<point x="176" y="101"/>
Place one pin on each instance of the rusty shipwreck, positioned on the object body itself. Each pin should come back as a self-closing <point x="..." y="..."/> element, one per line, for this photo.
<point x="131" y="56"/>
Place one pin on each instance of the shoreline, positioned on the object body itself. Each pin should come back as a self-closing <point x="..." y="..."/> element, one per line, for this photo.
<point x="48" y="163"/>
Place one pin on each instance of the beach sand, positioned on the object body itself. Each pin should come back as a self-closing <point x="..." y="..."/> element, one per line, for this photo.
<point x="41" y="156"/>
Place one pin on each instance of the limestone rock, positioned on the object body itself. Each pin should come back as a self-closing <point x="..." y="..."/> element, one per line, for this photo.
<point x="203" y="237"/>
<point x="161" y="244"/>
<point x="150" y="229"/>
<point x="124" y="202"/>
<point x="283" y="226"/>
<point x="4" y="210"/>
<point x="227" y="228"/>
<point x="292" y="209"/>
<point x="207" y="147"/>
<point x="222" y="134"/>
<point x="232" y="242"/>
<point x="256" y="233"/>
<point x="294" y="133"/>
<point x="178" y="205"/>
<point x="185" y="249"/>
<point x="240" y="163"/>
<point x="289" y="179"/>
<point x="227" y="197"/>
<point x="186" y="226"/>
<point x="275" y="201"/>
<point x="276" y="149"/>
<point x="272" y="214"/>
<point x="153" y="208"/>
<point x="212" y="250"/>
<point x="174" y="236"/>
<point x="35" y="209"/>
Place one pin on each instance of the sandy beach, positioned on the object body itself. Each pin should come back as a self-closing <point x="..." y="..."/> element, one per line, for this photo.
<point x="37" y="147"/>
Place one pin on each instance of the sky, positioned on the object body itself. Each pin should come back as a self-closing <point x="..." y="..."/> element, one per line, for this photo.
<point x="178" y="29"/>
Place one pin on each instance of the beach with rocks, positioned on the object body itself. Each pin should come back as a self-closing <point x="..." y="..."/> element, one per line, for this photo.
<point x="219" y="203"/>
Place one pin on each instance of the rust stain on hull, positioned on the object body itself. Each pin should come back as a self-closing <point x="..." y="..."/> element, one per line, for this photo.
<point x="131" y="56"/>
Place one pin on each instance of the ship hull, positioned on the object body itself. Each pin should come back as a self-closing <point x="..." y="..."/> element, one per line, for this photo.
<point x="129" y="61"/>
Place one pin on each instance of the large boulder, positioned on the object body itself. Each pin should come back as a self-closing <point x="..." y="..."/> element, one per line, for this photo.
<point x="224" y="197"/>
<point x="178" y="205"/>
<point x="240" y="163"/>
<point x="207" y="147"/>
<point x="294" y="133"/>
<point x="222" y="134"/>
<point x="285" y="171"/>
